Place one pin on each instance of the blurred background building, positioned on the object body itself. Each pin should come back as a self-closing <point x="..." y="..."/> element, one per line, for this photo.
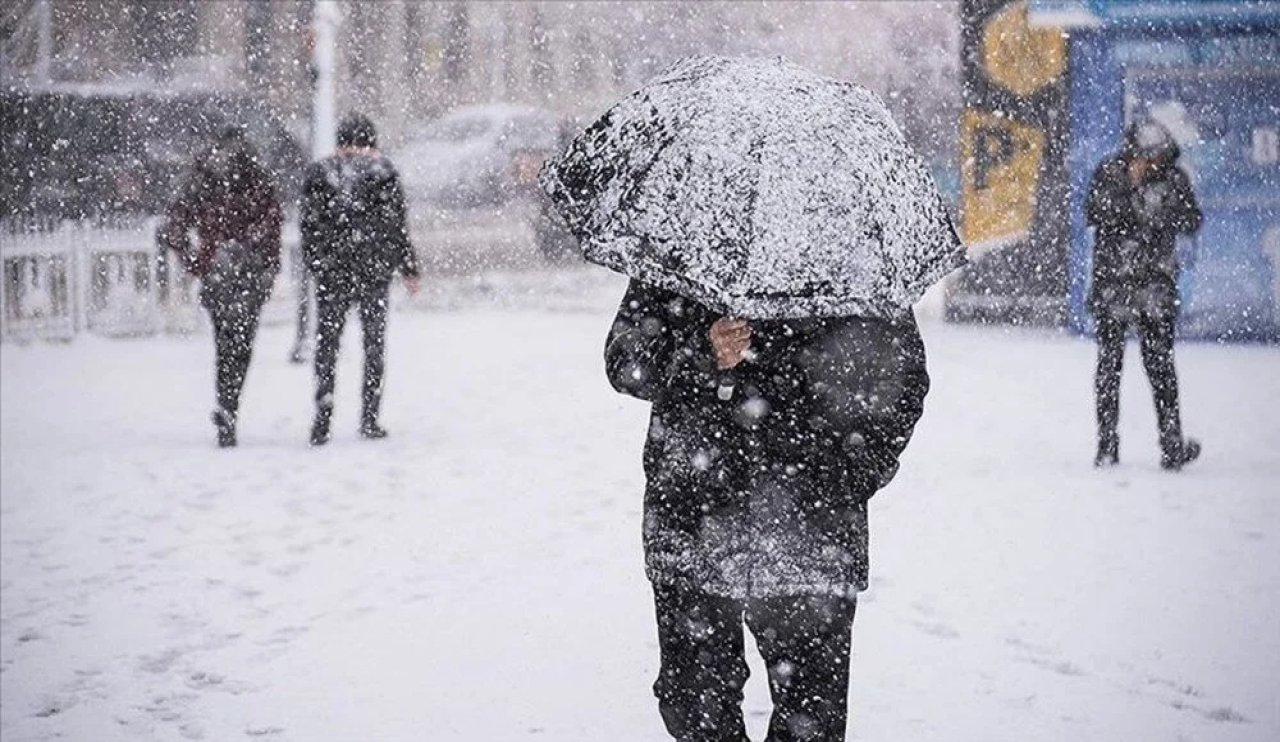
<point x="1011" y="102"/>
<point x="103" y="103"/>
<point x="1049" y="87"/>
<point x="407" y="62"/>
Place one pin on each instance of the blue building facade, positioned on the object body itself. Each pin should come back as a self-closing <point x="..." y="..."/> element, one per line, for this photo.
<point x="1210" y="72"/>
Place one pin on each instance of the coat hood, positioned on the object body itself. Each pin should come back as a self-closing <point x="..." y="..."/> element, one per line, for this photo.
<point x="1151" y="140"/>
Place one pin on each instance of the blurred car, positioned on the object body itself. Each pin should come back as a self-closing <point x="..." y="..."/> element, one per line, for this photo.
<point x="66" y="154"/>
<point x="484" y="155"/>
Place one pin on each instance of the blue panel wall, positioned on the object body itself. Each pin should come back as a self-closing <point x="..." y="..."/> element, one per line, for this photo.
<point x="1096" y="111"/>
<point x="1219" y="84"/>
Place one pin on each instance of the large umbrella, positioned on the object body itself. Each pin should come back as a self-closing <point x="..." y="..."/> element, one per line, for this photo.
<point x="759" y="189"/>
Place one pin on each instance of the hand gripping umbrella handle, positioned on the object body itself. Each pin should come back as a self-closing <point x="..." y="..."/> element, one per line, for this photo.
<point x="728" y="380"/>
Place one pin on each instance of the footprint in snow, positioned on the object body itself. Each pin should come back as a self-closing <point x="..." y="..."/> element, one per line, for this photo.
<point x="76" y="620"/>
<point x="200" y="680"/>
<point x="287" y="570"/>
<point x="1185" y="689"/>
<point x="924" y="609"/>
<point x="1025" y="645"/>
<point x="168" y="708"/>
<point x="1226" y="714"/>
<point x="937" y="628"/>
<point x="52" y="706"/>
<point x="1061" y="667"/>
<point x="284" y="635"/>
<point x="161" y="662"/>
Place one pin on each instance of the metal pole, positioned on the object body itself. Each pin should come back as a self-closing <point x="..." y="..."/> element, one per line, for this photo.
<point x="324" y="124"/>
<point x="44" y="41"/>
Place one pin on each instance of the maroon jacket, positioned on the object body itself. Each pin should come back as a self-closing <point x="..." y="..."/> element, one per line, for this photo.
<point x="242" y="205"/>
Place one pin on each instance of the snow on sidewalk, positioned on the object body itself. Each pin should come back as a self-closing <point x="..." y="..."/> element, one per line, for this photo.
<point x="477" y="576"/>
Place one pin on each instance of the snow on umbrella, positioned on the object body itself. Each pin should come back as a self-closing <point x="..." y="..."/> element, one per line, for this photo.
<point x="759" y="189"/>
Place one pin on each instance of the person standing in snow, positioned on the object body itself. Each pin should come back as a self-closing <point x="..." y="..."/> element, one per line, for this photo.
<point x="756" y="500"/>
<point x="1139" y="201"/>
<point x="232" y="203"/>
<point x="355" y="237"/>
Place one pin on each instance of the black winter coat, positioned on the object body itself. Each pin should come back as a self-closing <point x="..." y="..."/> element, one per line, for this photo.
<point x="765" y="494"/>
<point x="1135" y="264"/>
<point x="355" y="232"/>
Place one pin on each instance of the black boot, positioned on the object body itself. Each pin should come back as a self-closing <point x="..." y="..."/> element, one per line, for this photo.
<point x="1174" y="457"/>
<point x="372" y="430"/>
<point x="1108" y="452"/>
<point x="320" y="428"/>
<point x="225" y="423"/>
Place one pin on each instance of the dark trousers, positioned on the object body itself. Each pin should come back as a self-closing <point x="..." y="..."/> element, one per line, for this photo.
<point x="1156" y="342"/>
<point x="805" y="642"/>
<point x="234" y="305"/>
<point x="332" y="309"/>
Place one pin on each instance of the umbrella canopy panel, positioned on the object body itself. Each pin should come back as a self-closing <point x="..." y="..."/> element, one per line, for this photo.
<point x="760" y="189"/>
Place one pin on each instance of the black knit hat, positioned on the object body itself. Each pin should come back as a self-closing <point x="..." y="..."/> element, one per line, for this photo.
<point x="356" y="130"/>
<point x="229" y="149"/>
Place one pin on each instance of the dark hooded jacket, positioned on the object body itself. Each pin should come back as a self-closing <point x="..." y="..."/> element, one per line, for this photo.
<point x="764" y="494"/>
<point x="229" y="198"/>
<point x="1135" y="264"/>
<point x="355" y="232"/>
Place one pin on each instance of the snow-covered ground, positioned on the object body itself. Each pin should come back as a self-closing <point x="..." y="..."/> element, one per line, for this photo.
<point x="477" y="576"/>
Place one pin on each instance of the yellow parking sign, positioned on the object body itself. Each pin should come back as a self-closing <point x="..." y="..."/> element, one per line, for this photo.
<point x="1001" y="173"/>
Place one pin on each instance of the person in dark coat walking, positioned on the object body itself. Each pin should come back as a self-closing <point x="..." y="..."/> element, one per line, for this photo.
<point x="355" y="236"/>
<point x="233" y="205"/>
<point x="1138" y="203"/>
<point x="765" y="442"/>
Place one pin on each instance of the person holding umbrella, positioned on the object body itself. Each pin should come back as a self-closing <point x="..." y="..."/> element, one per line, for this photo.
<point x="776" y="229"/>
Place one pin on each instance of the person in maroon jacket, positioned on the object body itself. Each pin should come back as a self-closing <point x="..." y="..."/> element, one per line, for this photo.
<point x="232" y="204"/>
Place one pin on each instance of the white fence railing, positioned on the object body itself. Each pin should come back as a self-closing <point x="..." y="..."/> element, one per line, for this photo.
<point x="106" y="277"/>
